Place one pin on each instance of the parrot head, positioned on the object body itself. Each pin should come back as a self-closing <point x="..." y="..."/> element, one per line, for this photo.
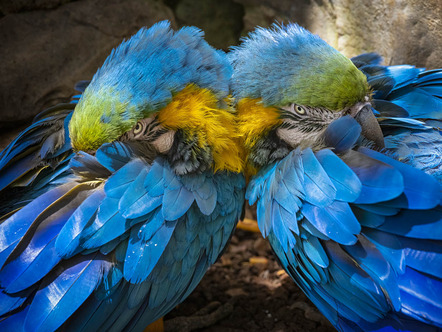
<point x="290" y="85"/>
<point x="163" y="92"/>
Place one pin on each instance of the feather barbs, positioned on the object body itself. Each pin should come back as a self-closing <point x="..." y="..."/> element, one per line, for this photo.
<point x="100" y="118"/>
<point x="196" y="112"/>
<point x="255" y="120"/>
<point x="287" y="64"/>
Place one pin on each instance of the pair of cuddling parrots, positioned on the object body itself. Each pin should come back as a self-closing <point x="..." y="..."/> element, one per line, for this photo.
<point x="114" y="206"/>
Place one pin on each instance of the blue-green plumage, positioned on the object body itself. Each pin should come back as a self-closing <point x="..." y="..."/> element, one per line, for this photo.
<point x="358" y="230"/>
<point x="115" y="237"/>
<point x="413" y="93"/>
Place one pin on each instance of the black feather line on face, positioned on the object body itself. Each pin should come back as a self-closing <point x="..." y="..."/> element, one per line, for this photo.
<point x="291" y="116"/>
<point x="158" y="133"/>
<point x="303" y="125"/>
<point x="185" y="155"/>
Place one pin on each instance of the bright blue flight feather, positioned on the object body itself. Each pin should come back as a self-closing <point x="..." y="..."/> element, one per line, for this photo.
<point x="112" y="240"/>
<point x="368" y="252"/>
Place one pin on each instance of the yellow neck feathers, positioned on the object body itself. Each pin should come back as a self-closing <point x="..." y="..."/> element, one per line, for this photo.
<point x="255" y="120"/>
<point x="196" y="111"/>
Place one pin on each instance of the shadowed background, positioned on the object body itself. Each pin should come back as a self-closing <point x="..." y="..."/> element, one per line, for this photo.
<point x="48" y="45"/>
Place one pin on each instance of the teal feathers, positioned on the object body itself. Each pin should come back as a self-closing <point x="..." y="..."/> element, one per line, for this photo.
<point x="113" y="237"/>
<point x="287" y="64"/>
<point x="356" y="229"/>
<point x="157" y="61"/>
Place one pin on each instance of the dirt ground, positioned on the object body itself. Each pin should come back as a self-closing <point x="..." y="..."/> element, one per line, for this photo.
<point x="246" y="290"/>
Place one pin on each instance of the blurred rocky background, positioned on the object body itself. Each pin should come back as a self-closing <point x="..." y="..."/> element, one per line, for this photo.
<point x="48" y="45"/>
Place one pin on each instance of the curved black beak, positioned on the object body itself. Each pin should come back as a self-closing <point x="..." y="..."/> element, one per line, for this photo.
<point x="369" y="125"/>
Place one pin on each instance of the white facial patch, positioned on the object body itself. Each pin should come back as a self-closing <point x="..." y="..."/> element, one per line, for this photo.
<point x="164" y="142"/>
<point x="296" y="139"/>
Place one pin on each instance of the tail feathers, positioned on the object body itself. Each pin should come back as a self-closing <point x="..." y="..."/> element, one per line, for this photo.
<point x="396" y="322"/>
<point x="64" y="291"/>
<point x="11" y="302"/>
<point x="95" y="312"/>
<point x="421" y="296"/>
<point x="415" y="90"/>
<point x="15" y="322"/>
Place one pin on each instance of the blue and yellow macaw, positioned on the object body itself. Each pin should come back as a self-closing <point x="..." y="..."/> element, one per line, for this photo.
<point x="349" y="201"/>
<point x="113" y="211"/>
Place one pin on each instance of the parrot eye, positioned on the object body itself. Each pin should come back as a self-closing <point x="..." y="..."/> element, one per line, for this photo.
<point x="138" y="128"/>
<point x="299" y="109"/>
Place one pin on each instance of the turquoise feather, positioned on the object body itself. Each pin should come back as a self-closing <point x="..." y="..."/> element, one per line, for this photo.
<point x="112" y="239"/>
<point x="366" y="247"/>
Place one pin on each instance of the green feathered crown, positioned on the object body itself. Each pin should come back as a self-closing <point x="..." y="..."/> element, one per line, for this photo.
<point x="288" y="64"/>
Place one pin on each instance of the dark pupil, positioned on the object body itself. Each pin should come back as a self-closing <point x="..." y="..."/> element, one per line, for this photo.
<point x="138" y="127"/>
<point x="299" y="109"/>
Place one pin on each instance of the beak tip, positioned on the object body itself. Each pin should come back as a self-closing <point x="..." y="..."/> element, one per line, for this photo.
<point x="370" y="127"/>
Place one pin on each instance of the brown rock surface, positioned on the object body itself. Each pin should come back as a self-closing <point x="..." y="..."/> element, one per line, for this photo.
<point x="402" y="31"/>
<point x="220" y="20"/>
<point x="44" y="52"/>
<point x="48" y="45"/>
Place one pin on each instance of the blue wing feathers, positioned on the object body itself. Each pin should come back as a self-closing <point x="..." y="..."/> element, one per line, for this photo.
<point x="380" y="209"/>
<point x="410" y="89"/>
<point x="154" y="182"/>
<point x="390" y="246"/>
<point x="10" y="302"/>
<point x="422" y="286"/>
<point x="374" y="263"/>
<point x="314" y="250"/>
<point x="380" y="182"/>
<point x="371" y="254"/>
<point x="176" y="202"/>
<point x="149" y="229"/>
<point x="336" y="221"/>
<point x="347" y="184"/>
<point x="422" y="190"/>
<point x="114" y="227"/>
<point x="142" y="256"/>
<point x="388" y="109"/>
<point x="16" y="226"/>
<point x="279" y="228"/>
<point x="426" y="224"/>
<point x="70" y="288"/>
<point x="206" y="204"/>
<point x="423" y="255"/>
<point x="117" y="184"/>
<point x="356" y="276"/>
<point x="70" y="237"/>
<point x="131" y="243"/>
<point x="10" y="173"/>
<point x="318" y="187"/>
<point x="113" y="156"/>
<point x="134" y="192"/>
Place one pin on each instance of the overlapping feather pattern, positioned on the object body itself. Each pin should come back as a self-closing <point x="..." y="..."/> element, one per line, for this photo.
<point x="360" y="231"/>
<point x="116" y="246"/>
